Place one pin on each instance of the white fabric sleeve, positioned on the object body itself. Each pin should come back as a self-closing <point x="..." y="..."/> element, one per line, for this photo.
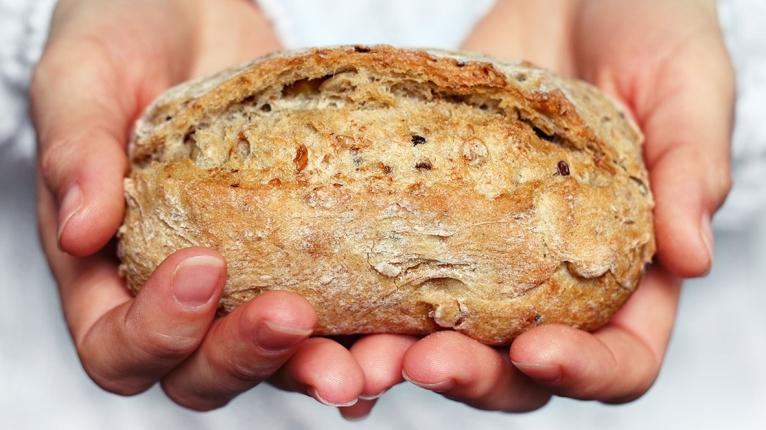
<point x="421" y="23"/>
<point x="745" y="34"/>
<point x="23" y="27"/>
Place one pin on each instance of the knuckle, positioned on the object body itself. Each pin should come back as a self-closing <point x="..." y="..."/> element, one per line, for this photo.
<point x="246" y="371"/>
<point x="166" y="347"/>
<point x="249" y="373"/>
<point x="107" y="381"/>
<point x="240" y="367"/>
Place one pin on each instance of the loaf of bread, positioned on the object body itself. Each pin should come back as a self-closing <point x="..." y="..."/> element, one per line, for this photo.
<point x="398" y="191"/>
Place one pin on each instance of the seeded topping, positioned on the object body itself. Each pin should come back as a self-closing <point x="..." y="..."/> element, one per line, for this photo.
<point x="424" y="165"/>
<point x="418" y="140"/>
<point x="563" y="168"/>
<point x="301" y="158"/>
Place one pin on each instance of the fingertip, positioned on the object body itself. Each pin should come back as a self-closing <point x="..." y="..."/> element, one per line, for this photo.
<point x="314" y="392"/>
<point x="684" y="249"/>
<point x="377" y="394"/>
<point x="197" y="280"/>
<point x="89" y="227"/>
<point x="682" y="217"/>
<point x="357" y="412"/>
<point x="324" y="370"/>
<point x="438" y="361"/>
<point x="380" y="357"/>
<point x="541" y="344"/>
<point x="281" y="308"/>
<point x="542" y="353"/>
<point x="71" y="204"/>
<point x="463" y="369"/>
<point x="421" y="362"/>
<point x="610" y="365"/>
<point x="171" y="263"/>
<point x="92" y="207"/>
<point x="277" y="322"/>
<point x="188" y="282"/>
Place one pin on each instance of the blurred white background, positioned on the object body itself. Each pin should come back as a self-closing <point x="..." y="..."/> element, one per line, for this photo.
<point x="714" y="375"/>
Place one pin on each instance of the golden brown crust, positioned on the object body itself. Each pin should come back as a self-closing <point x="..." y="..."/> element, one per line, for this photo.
<point x="397" y="190"/>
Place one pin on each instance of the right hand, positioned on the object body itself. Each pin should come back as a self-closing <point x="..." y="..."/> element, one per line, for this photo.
<point x="667" y="62"/>
<point x="104" y="61"/>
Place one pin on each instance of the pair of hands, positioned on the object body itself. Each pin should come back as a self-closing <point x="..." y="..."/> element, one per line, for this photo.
<point x="105" y="61"/>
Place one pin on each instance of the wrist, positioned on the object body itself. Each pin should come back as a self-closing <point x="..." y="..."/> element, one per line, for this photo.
<point x="242" y="17"/>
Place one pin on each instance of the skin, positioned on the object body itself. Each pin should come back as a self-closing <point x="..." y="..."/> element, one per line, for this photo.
<point x="666" y="61"/>
<point x="105" y="61"/>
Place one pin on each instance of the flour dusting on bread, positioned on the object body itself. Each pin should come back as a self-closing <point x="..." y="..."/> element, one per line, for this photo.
<point x="397" y="190"/>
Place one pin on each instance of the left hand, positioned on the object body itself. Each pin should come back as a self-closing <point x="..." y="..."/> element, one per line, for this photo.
<point x="667" y="63"/>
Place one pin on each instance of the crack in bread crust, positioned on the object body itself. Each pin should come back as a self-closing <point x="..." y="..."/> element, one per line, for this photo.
<point x="397" y="190"/>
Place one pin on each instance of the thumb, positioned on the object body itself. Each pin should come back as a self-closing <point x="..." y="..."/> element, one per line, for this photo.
<point x="81" y="124"/>
<point x="667" y="61"/>
<point x="688" y="131"/>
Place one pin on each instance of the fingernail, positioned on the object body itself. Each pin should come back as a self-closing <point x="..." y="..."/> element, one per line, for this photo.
<point x="438" y="387"/>
<point x="315" y="394"/>
<point x="275" y="337"/>
<point x="546" y="373"/>
<point x="70" y="205"/>
<point x="195" y="280"/>
<point x="374" y="396"/>
<point x="706" y="232"/>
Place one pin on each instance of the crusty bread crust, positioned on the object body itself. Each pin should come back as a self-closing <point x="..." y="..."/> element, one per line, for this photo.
<point x="400" y="191"/>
